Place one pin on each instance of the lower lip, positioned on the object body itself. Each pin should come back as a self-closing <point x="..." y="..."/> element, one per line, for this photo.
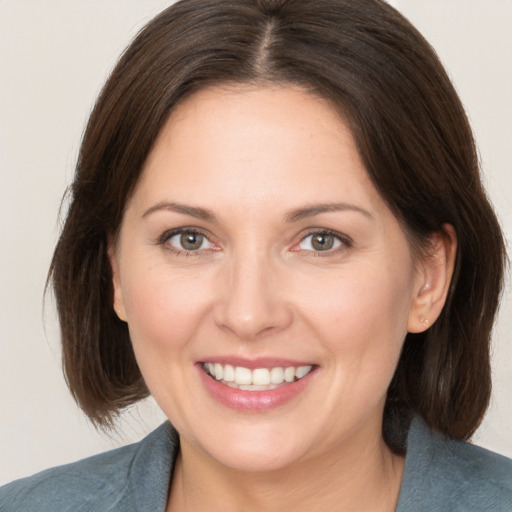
<point x="253" y="401"/>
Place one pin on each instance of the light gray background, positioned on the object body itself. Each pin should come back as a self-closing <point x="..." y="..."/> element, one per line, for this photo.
<point x="54" y="57"/>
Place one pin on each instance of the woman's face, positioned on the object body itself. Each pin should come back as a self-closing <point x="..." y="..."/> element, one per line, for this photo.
<point x="256" y="249"/>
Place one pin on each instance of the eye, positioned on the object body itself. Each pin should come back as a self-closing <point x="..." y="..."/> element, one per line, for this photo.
<point x="188" y="240"/>
<point x="320" y="241"/>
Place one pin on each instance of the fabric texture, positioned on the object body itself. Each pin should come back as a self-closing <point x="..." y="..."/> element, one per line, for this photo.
<point x="443" y="475"/>
<point x="440" y="475"/>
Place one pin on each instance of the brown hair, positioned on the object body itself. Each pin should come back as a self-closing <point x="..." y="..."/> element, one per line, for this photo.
<point x="413" y="136"/>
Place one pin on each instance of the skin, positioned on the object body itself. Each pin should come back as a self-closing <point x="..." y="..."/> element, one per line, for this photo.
<point x="257" y="288"/>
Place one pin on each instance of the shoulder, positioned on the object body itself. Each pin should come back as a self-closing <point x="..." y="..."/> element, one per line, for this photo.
<point x="443" y="474"/>
<point x="72" y="486"/>
<point x="103" y="482"/>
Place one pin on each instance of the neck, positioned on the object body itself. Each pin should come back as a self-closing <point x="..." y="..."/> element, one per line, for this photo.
<point x="363" y="476"/>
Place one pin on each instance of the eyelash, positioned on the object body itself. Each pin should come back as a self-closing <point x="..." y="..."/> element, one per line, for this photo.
<point x="168" y="235"/>
<point x="345" y="242"/>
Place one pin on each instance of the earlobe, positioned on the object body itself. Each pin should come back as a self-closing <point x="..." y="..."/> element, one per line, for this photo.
<point x="433" y="279"/>
<point x="118" y="301"/>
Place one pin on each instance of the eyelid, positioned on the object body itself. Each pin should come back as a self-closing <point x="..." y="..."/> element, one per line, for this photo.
<point x="170" y="233"/>
<point x="346" y="241"/>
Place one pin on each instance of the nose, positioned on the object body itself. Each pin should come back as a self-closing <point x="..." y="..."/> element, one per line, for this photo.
<point x="252" y="299"/>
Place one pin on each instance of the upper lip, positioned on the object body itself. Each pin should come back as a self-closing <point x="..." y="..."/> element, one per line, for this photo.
<point x="260" y="362"/>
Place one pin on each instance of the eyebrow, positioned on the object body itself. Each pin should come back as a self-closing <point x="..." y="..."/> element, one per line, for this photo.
<point x="316" y="209"/>
<point x="193" y="211"/>
<point x="295" y="215"/>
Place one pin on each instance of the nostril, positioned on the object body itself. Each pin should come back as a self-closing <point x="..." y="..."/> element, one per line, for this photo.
<point x="248" y="303"/>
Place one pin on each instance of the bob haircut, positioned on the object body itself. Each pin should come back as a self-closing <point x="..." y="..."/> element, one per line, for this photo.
<point x="413" y="136"/>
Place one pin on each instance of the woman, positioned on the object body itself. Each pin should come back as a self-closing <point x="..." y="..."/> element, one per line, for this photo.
<point x="277" y="228"/>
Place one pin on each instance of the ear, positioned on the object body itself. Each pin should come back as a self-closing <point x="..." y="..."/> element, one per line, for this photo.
<point x="118" y="300"/>
<point x="434" y="276"/>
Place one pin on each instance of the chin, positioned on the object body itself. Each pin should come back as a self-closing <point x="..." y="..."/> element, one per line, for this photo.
<point x="260" y="460"/>
<point x="257" y="450"/>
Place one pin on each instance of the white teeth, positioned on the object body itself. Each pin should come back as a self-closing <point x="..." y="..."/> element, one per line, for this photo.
<point x="254" y="387"/>
<point x="289" y="374"/>
<point x="257" y="379"/>
<point x="276" y="375"/>
<point x="229" y="373"/>
<point x="243" y="375"/>
<point x="261" y="377"/>
<point x="302" y="371"/>
<point x="219" y="371"/>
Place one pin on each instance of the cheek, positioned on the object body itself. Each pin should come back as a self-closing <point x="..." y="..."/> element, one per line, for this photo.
<point x="164" y="315"/>
<point x="362" y="316"/>
<point x="363" y="330"/>
<point x="163" y="311"/>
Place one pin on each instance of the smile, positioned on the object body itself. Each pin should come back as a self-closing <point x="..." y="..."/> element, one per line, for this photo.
<point x="258" y="379"/>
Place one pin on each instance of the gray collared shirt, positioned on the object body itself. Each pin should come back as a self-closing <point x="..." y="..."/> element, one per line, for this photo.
<point x="439" y="475"/>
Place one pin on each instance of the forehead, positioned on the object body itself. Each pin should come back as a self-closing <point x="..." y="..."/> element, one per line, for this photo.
<point x="254" y="146"/>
